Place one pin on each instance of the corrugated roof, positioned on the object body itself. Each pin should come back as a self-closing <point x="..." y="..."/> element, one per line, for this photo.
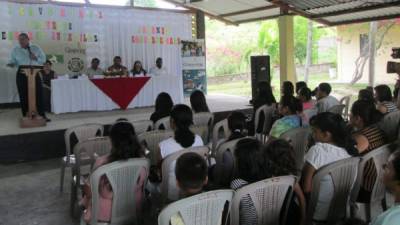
<point x="328" y="12"/>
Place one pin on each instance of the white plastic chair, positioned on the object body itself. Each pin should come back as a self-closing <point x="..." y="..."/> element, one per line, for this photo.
<point x="368" y="211"/>
<point x="390" y="125"/>
<point x="268" y="112"/>
<point x="142" y="126"/>
<point x="202" y="209"/>
<point x="82" y="133"/>
<point x="203" y="118"/>
<point x="220" y="131"/>
<point x="203" y="131"/>
<point x="343" y="174"/>
<point x="337" y="109"/>
<point x="151" y="141"/>
<point x="123" y="177"/>
<point x="169" y="189"/>
<point x="163" y="123"/>
<point x="298" y="138"/>
<point x="268" y="197"/>
<point x="346" y="101"/>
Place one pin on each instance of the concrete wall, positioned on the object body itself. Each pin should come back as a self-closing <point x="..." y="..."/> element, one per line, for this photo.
<point x="349" y="49"/>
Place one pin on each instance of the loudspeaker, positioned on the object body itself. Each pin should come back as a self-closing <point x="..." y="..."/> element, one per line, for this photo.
<point x="260" y="72"/>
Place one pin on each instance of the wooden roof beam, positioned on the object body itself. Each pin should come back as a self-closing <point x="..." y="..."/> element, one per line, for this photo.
<point x="249" y="11"/>
<point x="365" y="20"/>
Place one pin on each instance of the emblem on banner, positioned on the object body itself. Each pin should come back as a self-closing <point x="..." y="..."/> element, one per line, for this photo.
<point x="75" y="65"/>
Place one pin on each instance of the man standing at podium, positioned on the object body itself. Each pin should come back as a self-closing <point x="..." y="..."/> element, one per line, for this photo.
<point x="22" y="55"/>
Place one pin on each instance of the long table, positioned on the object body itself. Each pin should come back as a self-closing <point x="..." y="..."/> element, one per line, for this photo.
<point x="75" y="95"/>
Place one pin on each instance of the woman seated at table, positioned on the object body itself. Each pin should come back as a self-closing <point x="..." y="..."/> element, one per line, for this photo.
<point x="163" y="107"/>
<point x="138" y="70"/>
<point x="47" y="75"/>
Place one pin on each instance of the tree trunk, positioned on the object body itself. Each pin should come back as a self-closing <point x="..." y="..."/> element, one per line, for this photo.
<point x="373" y="28"/>
<point x="309" y="50"/>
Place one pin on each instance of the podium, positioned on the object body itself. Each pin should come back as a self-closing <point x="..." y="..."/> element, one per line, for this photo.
<point x="32" y="119"/>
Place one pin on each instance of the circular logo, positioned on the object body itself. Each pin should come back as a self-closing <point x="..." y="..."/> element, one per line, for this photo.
<point x="75" y="65"/>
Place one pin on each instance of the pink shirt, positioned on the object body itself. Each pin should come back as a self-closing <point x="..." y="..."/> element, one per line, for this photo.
<point x="308" y="105"/>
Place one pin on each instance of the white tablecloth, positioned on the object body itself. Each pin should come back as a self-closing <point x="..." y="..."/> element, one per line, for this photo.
<point x="77" y="95"/>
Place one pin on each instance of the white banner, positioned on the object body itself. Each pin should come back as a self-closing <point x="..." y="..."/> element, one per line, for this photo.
<point x="72" y="36"/>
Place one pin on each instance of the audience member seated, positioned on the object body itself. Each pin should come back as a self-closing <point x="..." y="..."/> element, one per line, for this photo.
<point x="287" y="89"/>
<point x="198" y="102"/>
<point x="363" y="118"/>
<point x="125" y="145"/>
<point x="384" y="99"/>
<point x="300" y="85"/>
<point x="138" y="70"/>
<point x="163" y="107"/>
<point x="391" y="179"/>
<point x="94" y="68"/>
<point x="181" y="120"/>
<point x="289" y="108"/>
<point x="159" y="69"/>
<point x="366" y="94"/>
<point x="117" y="69"/>
<point x="305" y="97"/>
<point x="324" y="100"/>
<point x="47" y="75"/>
<point x="333" y="143"/>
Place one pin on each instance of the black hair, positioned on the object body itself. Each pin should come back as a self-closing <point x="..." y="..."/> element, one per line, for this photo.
<point x="300" y="85"/>
<point x="117" y="57"/>
<point x="294" y="105"/>
<point x="237" y="125"/>
<point x="396" y="164"/>
<point x="325" y="87"/>
<point x="198" y="102"/>
<point x="287" y="88"/>
<point x="124" y="142"/>
<point x="25" y="35"/>
<point x="96" y="60"/>
<point x="366" y="94"/>
<point x="249" y="160"/>
<point x="159" y="58"/>
<point x="367" y="111"/>
<point x="265" y="95"/>
<point x="122" y="119"/>
<point x="334" y="124"/>
<point x="383" y="93"/>
<point x="306" y="93"/>
<point x="279" y="159"/>
<point x="191" y="171"/>
<point x="48" y="62"/>
<point x="183" y="118"/>
<point x="164" y="104"/>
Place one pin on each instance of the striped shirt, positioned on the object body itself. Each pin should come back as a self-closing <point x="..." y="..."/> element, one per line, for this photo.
<point x="390" y="106"/>
<point x="247" y="210"/>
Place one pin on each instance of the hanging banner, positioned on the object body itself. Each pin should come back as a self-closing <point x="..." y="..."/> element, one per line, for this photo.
<point x="194" y="66"/>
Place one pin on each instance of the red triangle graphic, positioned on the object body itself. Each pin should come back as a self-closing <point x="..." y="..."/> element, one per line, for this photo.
<point x="121" y="90"/>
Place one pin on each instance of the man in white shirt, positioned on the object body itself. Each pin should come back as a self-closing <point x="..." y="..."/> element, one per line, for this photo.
<point x="158" y="70"/>
<point x="324" y="100"/>
<point x="94" y="68"/>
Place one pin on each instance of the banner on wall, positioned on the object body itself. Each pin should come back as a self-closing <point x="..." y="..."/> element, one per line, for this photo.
<point x="71" y="36"/>
<point x="193" y="66"/>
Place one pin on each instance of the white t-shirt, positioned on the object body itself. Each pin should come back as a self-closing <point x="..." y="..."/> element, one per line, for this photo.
<point x="318" y="156"/>
<point x="168" y="147"/>
<point x="155" y="71"/>
<point x="326" y="103"/>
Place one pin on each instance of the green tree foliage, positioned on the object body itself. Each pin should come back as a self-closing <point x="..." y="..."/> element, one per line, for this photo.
<point x="145" y="3"/>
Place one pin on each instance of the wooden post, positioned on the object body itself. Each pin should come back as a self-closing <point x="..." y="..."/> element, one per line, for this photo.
<point x="372" y="52"/>
<point x="200" y="25"/>
<point x="286" y="49"/>
<point x="33" y="119"/>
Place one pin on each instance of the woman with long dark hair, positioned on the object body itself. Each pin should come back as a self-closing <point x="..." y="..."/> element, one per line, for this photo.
<point x="138" y="70"/>
<point x="287" y="89"/>
<point x="384" y="99"/>
<point x="290" y="109"/>
<point x="198" y="102"/>
<point x="163" y="107"/>
<point x="125" y="145"/>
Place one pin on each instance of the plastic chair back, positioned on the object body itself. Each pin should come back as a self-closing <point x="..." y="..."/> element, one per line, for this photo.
<point x="123" y="177"/>
<point x="268" y="197"/>
<point x="220" y="131"/>
<point x="142" y="126"/>
<point x="337" y="109"/>
<point x="169" y="189"/>
<point x="203" y="131"/>
<point x="202" y="209"/>
<point x="390" y="125"/>
<point x="82" y="133"/>
<point x="151" y="141"/>
<point x="379" y="157"/>
<point x="298" y="138"/>
<point x="262" y="127"/>
<point x="346" y="101"/>
<point x="163" y="124"/>
<point x="343" y="174"/>
<point x="203" y="118"/>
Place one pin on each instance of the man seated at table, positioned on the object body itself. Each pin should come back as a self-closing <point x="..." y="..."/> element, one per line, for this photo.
<point x="94" y="68"/>
<point x="158" y="70"/>
<point x="117" y="69"/>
